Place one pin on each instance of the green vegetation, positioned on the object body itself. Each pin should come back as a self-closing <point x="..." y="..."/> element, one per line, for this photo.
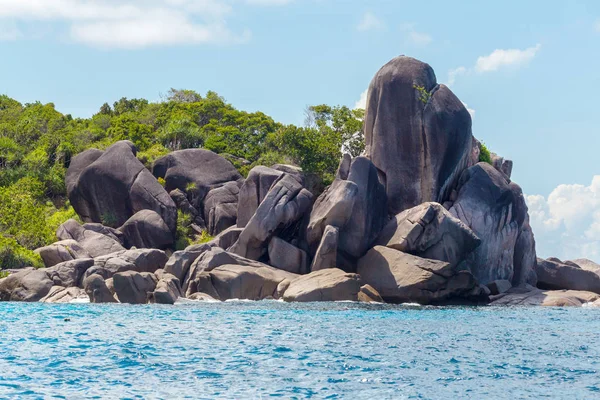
<point x="424" y="95"/>
<point x="484" y="154"/>
<point x="37" y="143"/>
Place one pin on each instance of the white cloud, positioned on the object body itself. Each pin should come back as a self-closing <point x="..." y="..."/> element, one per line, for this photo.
<point x="454" y="73"/>
<point x="503" y="58"/>
<point x="131" y="23"/>
<point x="567" y="224"/>
<point x="370" y="22"/>
<point x="470" y="110"/>
<point x="414" y="37"/>
<point x="362" y="101"/>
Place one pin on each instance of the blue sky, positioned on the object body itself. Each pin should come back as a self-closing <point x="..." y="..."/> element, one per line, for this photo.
<point x="528" y="71"/>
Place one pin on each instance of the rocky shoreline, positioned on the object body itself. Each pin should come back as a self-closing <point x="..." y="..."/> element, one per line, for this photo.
<point x="416" y="219"/>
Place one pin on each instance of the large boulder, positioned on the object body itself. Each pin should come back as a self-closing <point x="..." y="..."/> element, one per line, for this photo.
<point x="95" y="244"/>
<point x="286" y="256"/>
<point x="243" y="282"/>
<point x="167" y="291"/>
<point x="401" y="277"/>
<point x="69" y="273"/>
<point x="180" y="261"/>
<point x="111" y="186"/>
<point x="61" y="294"/>
<point x="333" y="207"/>
<point x="553" y="275"/>
<point x="106" y="231"/>
<point x="330" y="284"/>
<point x="146" y="229"/>
<point x="96" y="289"/>
<point x="429" y="231"/>
<point x="134" y="287"/>
<point x="139" y="260"/>
<point x="220" y="207"/>
<point x="283" y="206"/>
<point x="253" y="191"/>
<point x="586" y="264"/>
<point x="64" y="250"/>
<point x="495" y="210"/>
<point x="417" y="133"/>
<point x="369" y="211"/>
<point x="326" y="254"/>
<point x="28" y="285"/>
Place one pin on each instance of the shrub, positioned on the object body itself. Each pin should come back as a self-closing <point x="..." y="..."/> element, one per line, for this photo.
<point x="484" y="154"/>
<point x="13" y="255"/>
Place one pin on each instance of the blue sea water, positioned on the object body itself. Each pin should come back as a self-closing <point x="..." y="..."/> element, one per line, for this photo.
<point x="239" y="350"/>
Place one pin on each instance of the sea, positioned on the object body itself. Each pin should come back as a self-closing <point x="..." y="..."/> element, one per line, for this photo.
<point x="271" y="349"/>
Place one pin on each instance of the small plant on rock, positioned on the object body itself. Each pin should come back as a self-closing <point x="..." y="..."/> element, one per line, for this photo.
<point x="424" y="95"/>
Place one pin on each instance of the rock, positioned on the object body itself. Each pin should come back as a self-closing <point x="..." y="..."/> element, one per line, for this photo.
<point x="179" y="263"/>
<point x="140" y="260"/>
<point x="168" y="290"/>
<point x="28" y="285"/>
<point x="326" y="254"/>
<point x="502" y="165"/>
<point x="254" y="190"/>
<point x="368" y="294"/>
<point x="417" y="133"/>
<point x="287" y="257"/>
<point x="429" y="231"/>
<point x="586" y="264"/>
<point x="211" y="259"/>
<point x="69" y="273"/>
<point x="61" y="294"/>
<point x="499" y="286"/>
<point x="553" y="275"/>
<point x="344" y="167"/>
<point x="227" y="238"/>
<point x="220" y="207"/>
<point x="331" y="284"/>
<point x="146" y="229"/>
<point x="182" y="203"/>
<point x="245" y="282"/>
<point x="94" y="243"/>
<point x="333" y="207"/>
<point x="475" y="152"/>
<point x="96" y="289"/>
<point x="111" y="186"/>
<point x="369" y="212"/>
<point x="549" y="298"/>
<point x="400" y="277"/>
<point x="106" y="231"/>
<point x="284" y="204"/>
<point x="134" y="287"/>
<point x="525" y="258"/>
<point x="495" y="211"/>
<point x="199" y="296"/>
<point x="58" y="252"/>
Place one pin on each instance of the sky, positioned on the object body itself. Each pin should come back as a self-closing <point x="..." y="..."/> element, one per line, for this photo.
<point x="527" y="71"/>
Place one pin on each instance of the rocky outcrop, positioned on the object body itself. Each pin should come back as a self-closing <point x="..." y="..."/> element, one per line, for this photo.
<point x="146" y="229"/>
<point x="586" y="264"/>
<point x="27" y="285"/>
<point x="403" y="278"/>
<point x="331" y="284"/>
<point x="253" y="191"/>
<point x="284" y="205"/>
<point x="179" y="263"/>
<point x="64" y="250"/>
<point x="553" y="275"/>
<point x="110" y="186"/>
<point x="287" y="257"/>
<point x="134" y="287"/>
<point x="113" y="233"/>
<point x="69" y="273"/>
<point x="495" y="211"/>
<point x="220" y="207"/>
<point x="95" y="244"/>
<point x="529" y="296"/>
<point x="96" y="289"/>
<point x="417" y="133"/>
<point x="139" y="260"/>
<point x="429" y="231"/>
